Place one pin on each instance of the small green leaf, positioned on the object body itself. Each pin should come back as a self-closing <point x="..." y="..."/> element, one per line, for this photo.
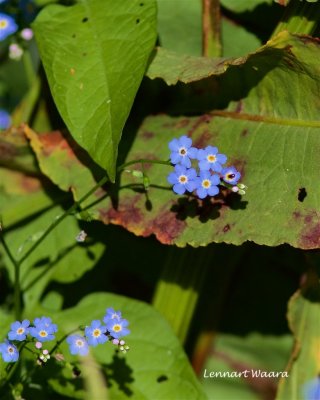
<point x="95" y="54"/>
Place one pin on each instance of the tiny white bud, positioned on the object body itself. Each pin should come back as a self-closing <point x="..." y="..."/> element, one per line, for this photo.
<point x="81" y="237"/>
<point x="26" y="34"/>
<point x="241" y="186"/>
<point x="235" y="189"/>
<point x="242" y="192"/>
<point x="15" y="52"/>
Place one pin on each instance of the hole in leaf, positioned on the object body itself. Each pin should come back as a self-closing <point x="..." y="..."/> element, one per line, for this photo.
<point x="141" y="4"/>
<point x="85" y="19"/>
<point x="162" y="378"/>
<point x="137" y="21"/>
<point x="302" y="194"/>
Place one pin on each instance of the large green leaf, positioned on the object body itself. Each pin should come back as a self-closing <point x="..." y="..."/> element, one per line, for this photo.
<point x="180" y="26"/>
<point x="95" y="54"/>
<point x="273" y="142"/>
<point x="154" y="368"/>
<point x="303" y="316"/>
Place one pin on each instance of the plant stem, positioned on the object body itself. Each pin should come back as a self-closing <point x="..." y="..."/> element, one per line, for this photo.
<point x="211" y="32"/>
<point x="17" y="290"/>
<point x="299" y="17"/>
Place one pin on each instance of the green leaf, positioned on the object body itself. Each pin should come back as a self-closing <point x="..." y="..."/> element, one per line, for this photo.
<point x="180" y="26"/>
<point x="236" y="40"/>
<point x="95" y="54"/>
<point x="255" y="354"/>
<point x="303" y="316"/>
<point x="154" y="368"/>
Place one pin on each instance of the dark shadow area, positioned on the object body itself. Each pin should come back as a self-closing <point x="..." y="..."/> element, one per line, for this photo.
<point x="119" y="373"/>
<point x="208" y="208"/>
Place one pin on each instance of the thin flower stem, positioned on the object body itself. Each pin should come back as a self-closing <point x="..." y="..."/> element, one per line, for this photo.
<point x="17" y="289"/>
<point x="74" y="207"/>
<point x="54" y="348"/>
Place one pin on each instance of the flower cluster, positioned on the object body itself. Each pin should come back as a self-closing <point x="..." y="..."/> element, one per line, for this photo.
<point x="114" y="328"/>
<point x="41" y="330"/>
<point x="211" y="173"/>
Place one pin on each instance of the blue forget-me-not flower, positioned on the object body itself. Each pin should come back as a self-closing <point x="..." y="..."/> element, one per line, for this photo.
<point x="182" y="152"/>
<point x="95" y="333"/>
<point x="9" y="352"/>
<point x="19" y="330"/>
<point x="209" y="159"/>
<point x="8" y="26"/>
<point x="182" y="179"/>
<point x="230" y="175"/>
<point x="78" y="345"/>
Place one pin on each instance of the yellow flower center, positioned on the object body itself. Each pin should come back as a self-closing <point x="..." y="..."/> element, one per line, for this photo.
<point x="211" y="158"/>
<point x="43" y="333"/>
<point x="206" y="183"/>
<point x="117" y="328"/>
<point x="79" y="343"/>
<point x="96" y="333"/>
<point x="20" y="331"/>
<point x="183" y="179"/>
<point x="182" y="151"/>
<point x="230" y="176"/>
<point x="3" y="23"/>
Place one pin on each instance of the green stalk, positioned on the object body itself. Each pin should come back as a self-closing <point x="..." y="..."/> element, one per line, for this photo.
<point x="17" y="290"/>
<point x="178" y="290"/>
<point x="300" y="17"/>
<point x="211" y="28"/>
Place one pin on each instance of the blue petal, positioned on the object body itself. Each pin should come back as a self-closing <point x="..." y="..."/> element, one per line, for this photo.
<point x="202" y="193"/>
<point x="179" y="189"/>
<point x="204" y="165"/>
<point x="215" y="180"/>
<point x="186" y="162"/>
<point x="213" y="190"/>
<point x="191" y="173"/>
<point x="221" y="158"/>
<point x="174" y="145"/>
<point x="171" y="178"/>
<point x="185" y="141"/>
<point x="211" y="150"/>
<point x="175" y="158"/>
<point x="193" y="153"/>
<point x="191" y="186"/>
<point x="201" y="154"/>
<point x="216" y="167"/>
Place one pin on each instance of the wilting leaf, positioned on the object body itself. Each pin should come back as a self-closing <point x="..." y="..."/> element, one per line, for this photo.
<point x="154" y="368"/>
<point x="275" y="144"/>
<point x="21" y="187"/>
<point x="303" y="316"/>
<point x="95" y="54"/>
